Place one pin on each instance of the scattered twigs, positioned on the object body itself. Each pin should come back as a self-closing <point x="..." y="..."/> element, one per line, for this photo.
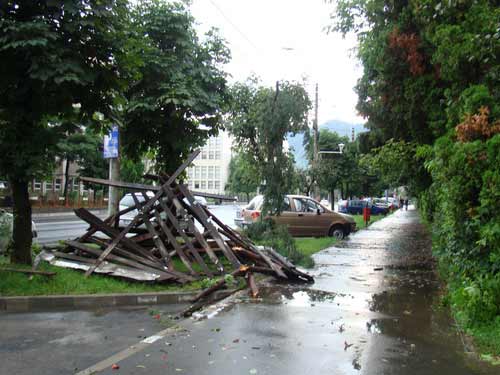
<point x="28" y="272"/>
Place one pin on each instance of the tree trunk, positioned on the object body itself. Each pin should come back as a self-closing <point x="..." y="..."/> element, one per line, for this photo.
<point x="248" y="197"/>
<point x="22" y="235"/>
<point x="332" y="199"/>
<point x="66" y="183"/>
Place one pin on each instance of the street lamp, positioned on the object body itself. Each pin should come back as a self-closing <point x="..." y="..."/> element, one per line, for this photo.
<point x="341" y="149"/>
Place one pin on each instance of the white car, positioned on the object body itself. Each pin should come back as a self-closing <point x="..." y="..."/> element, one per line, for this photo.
<point x="7" y="228"/>
<point x="128" y="201"/>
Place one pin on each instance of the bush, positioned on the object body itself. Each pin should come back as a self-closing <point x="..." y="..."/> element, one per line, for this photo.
<point x="464" y="204"/>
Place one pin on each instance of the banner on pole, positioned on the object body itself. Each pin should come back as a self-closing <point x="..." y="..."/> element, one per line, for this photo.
<point x="111" y="144"/>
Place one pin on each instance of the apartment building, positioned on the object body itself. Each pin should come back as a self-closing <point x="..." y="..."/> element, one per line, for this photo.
<point x="210" y="170"/>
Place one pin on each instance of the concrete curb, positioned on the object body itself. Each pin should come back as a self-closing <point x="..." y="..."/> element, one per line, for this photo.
<point x="89" y="301"/>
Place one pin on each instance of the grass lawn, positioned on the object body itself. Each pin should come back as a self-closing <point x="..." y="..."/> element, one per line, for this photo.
<point x="311" y="245"/>
<point x="67" y="281"/>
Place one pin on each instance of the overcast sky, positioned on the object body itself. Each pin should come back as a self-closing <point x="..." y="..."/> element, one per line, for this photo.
<point x="285" y="39"/>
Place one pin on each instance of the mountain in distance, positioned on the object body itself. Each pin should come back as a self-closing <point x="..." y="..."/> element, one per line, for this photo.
<point x="342" y="128"/>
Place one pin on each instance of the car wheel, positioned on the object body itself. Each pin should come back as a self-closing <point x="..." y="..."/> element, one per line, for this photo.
<point x="337" y="232"/>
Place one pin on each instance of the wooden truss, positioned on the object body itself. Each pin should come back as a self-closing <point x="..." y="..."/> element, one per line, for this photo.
<point x="168" y="227"/>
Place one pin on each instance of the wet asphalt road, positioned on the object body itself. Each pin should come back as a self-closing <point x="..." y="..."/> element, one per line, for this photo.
<point x="61" y="343"/>
<point x="374" y="309"/>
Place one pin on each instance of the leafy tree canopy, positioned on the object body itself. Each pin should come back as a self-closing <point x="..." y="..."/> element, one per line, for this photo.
<point x="261" y="118"/>
<point x="178" y="93"/>
<point x="243" y="176"/>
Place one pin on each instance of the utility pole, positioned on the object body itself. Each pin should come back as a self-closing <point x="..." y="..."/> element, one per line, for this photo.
<point x="315" y="142"/>
<point x="111" y="152"/>
<point x="114" y="175"/>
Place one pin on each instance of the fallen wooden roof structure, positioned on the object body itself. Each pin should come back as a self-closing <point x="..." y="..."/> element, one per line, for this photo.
<point x="170" y="225"/>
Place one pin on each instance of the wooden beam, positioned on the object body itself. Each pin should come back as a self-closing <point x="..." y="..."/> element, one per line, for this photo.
<point x="176" y="246"/>
<point x="173" y="220"/>
<point x="202" y="217"/>
<point x="108" y="230"/>
<point x="192" y="227"/>
<point x="145" y="217"/>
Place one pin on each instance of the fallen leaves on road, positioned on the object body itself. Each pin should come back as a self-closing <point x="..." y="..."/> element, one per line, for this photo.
<point x="347" y="346"/>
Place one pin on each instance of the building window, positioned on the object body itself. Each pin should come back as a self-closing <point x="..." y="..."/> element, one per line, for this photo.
<point x="57" y="185"/>
<point x="216" y="185"/>
<point x="75" y="184"/>
<point x="197" y="172"/>
<point x="211" y="155"/>
<point x="218" y="141"/>
<point x="203" y="185"/>
<point x="204" y="155"/>
<point x="37" y="185"/>
<point x="211" y="172"/>
<point x="210" y="185"/>
<point x="190" y="184"/>
<point x="190" y="172"/>
<point x="197" y="184"/>
<point x="217" y="173"/>
<point x="48" y="185"/>
<point x="217" y="155"/>
<point x="203" y="172"/>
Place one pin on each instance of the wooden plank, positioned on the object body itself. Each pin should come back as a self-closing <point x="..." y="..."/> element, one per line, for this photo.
<point x="266" y="259"/>
<point x="175" y="223"/>
<point x="203" y="218"/>
<point x="128" y="254"/>
<point x="219" y="284"/>
<point x="110" y="247"/>
<point x="94" y="221"/>
<point x="167" y="275"/>
<point x="254" y="291"/>
<point x="199" y="237"/>
<point x="156" y="237"/>
<point x="175" y="244"/>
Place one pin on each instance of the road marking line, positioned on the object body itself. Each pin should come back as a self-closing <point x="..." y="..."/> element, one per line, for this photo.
<point x="131" y="350"/>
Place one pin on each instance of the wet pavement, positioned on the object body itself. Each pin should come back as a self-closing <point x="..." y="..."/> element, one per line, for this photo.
<point x="52" y="343"/>
<point x="374" y="309"/>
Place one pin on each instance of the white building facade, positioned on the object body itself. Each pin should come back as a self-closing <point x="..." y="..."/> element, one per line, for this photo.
<point x="210" y="170"/>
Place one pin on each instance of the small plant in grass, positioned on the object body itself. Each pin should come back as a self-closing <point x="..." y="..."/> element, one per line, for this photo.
<point x="208" y="282"/>
<point x="267" y="233"/>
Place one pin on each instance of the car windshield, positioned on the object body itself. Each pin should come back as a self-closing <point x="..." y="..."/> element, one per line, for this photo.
<point x="128" y="200"/>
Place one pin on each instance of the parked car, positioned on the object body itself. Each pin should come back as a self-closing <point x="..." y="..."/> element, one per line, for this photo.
<point x="128" y="201"/>
<point x="7" y="227"/>
<point x="355" y="207"/>
<point x="302" y="215"/>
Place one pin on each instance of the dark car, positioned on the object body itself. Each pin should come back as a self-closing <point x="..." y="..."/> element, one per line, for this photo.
<point x="355" y="207"/>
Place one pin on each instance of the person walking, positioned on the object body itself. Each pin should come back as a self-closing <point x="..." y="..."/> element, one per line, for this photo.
<point x="406" y="204"/>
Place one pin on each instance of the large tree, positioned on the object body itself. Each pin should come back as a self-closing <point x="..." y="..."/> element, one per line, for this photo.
<point x="178" y="94"/>
<point x="261" y="118"/>
<point x="53" y="54"/>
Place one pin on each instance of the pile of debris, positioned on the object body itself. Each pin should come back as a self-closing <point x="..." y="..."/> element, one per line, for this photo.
<point x="169" y="226"/>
